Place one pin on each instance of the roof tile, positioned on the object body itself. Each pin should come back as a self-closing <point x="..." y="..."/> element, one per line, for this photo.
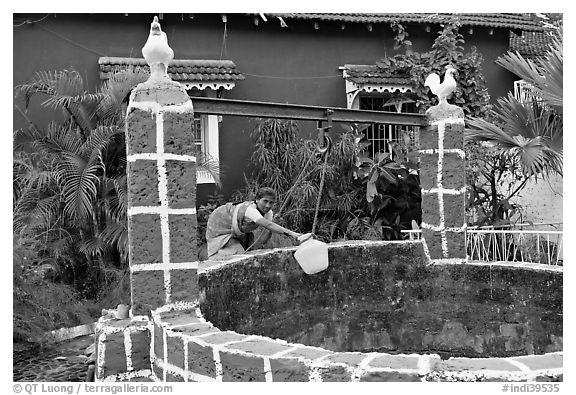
<point x="519" y="21"/>
<point x="372" y="74"/>
<point x="530" y="44"/>
<point x="178" y="69"/>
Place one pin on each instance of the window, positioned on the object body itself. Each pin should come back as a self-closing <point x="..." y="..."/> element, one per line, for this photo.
<point x="205" y="139"/>
<point x="369" y="87"/>
<point x="381" y="135"/>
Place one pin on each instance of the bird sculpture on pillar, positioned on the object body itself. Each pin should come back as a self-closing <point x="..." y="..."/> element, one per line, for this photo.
<point x="444" y="89"/>
<point x="156" y="51"/>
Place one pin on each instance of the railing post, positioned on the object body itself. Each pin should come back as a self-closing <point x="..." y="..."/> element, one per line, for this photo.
<point x="443" y="184"/>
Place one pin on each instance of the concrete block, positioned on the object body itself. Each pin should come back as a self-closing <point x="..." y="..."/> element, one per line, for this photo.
<point x="430" y="209"/>
<point x="184" y="285"/>
<point x="428" y="171"/>
<point x="183" y="245"/>
<point x="223" y="337"/>
<point x="201" y="360"/>
<point x="390" y="377"/>
<point x="175" y="349"/>
<point x="429" y="137"/>
<point x="289" y="370"/>
<point x="147" y="291"/>
<point x="181" y="181"/>
<point x="158" y="342"/>
<point x="456" y="243"/>
<point x="140" y="132"/>
<point x="454" y="210"/>
<point x="143" y="183"/>
<point x="114" y="354"/>
<point x="453" y="172"/>
<point x="434" y="243"/>
<point x="395" y="362"/>
<point x="260" y="347"/>
<point x="145" y="238"/>
<point x="352" y="359"/>
<point x="241" y="367"/>
<point x="179" y="133"/>
<point x="140" y="350"/>
<point x="453" y="136"/>
<point x="335" y="374"/>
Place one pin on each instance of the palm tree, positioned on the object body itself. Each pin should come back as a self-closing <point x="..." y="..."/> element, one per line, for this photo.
<point x="529" y="132"/>
<point x="70" y="180"/>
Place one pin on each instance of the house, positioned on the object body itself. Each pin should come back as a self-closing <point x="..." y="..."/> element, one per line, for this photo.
<point x="312" y="59"/>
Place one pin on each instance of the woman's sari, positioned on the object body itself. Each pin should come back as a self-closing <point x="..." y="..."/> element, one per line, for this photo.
<point x="226" y="232"/>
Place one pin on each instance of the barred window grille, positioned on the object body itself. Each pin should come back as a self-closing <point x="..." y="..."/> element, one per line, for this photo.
<point x="381" y="135"/>
<point x="198" y="134"/>
<point x="523" y="91"/>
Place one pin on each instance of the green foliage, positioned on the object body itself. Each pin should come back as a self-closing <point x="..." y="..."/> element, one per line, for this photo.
<point x="391" y="179"/>
<point x="529" y="132"/>
<point x="493" y="181"/>
<point x="39" y="304"/>
<point x="366" y="198"/>
<point x="69" y="201"/>
<point x="294" y="168"/>
<point x="471" y="92"/>
<point x="70" y="185"/>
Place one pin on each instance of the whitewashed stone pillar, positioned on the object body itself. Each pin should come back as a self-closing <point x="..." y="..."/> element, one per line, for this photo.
<point x="443" y="184"/>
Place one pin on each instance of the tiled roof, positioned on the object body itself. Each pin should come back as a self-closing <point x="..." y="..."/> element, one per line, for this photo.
<point x="496" y="20"/>
<point x="179" y="69"/>
<point x="373" y="75"/>
<point x="530" y="44"/>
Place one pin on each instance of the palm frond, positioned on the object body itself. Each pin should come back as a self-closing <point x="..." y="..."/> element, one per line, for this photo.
<point x="31" y="208"/>
<point x="114" y="92"/>
<point x="116" y="233"/>
<point x="544" y="75"/>
<point x="64" y="90"/>
<point x="92" y="247"/>
<point x="79" y="179"/>
<point x="210" y="164"/>
<point x="59" y="139"/>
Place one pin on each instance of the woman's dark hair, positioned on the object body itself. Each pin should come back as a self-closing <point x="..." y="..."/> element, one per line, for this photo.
<point x="265" y="191"/>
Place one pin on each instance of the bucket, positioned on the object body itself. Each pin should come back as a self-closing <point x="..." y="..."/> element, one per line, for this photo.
<point x="312" y="256"/>
<point x="122" y="312"/>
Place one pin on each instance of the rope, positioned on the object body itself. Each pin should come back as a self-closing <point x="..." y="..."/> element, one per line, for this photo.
<point x="322" y="178"/>
<point x="288" y="193"/>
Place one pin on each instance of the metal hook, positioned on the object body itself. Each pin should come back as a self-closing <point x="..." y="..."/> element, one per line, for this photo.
<point x="322" y="136"/>
<point x="326" y="147"/>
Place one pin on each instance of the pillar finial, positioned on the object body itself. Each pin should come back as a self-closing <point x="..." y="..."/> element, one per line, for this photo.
<point x="157" y="52"/>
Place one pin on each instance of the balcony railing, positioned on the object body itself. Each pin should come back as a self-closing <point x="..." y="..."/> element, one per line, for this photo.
<point x="494" y="245"/>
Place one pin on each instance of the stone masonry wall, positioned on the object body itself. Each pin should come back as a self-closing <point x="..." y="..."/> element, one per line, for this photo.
<point x="187" y="348"/>
<point x="443" y="184"/>
<point x="178" y="344"/>
<point x="161" y="196"/>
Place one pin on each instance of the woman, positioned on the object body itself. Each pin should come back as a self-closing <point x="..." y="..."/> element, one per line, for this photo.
<point x="229" y="229"/>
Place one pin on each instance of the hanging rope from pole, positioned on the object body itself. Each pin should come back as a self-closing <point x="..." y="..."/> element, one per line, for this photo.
<point x="324" y="145"/>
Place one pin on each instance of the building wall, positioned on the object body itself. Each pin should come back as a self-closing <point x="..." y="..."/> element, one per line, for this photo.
<point x="541" y="201"/>
<point x="297" y="64"/>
